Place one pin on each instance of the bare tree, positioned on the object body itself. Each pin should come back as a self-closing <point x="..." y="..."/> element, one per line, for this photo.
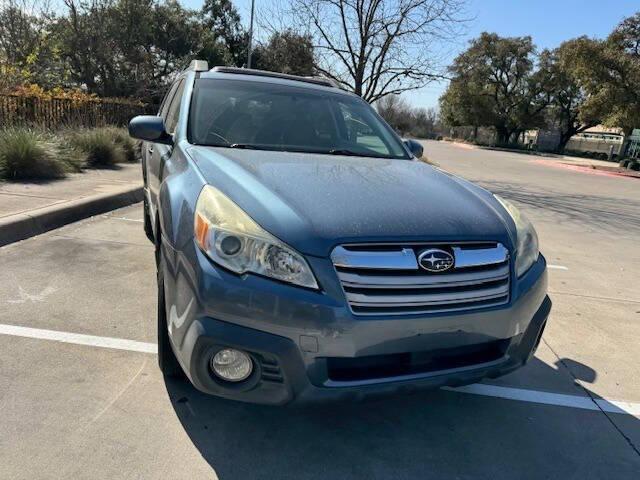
<point x="408" y="120"/>
<point x="377" y="48"/>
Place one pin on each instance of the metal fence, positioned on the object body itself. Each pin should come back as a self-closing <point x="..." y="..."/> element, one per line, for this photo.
<point x="53" y="113"/>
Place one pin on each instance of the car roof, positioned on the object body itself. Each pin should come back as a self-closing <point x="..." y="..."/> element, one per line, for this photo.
<point x="245" y="74"/>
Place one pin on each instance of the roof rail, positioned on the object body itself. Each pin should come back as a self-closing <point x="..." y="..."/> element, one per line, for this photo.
<point x="285" y="76"/>
<point x="199" y="65"/>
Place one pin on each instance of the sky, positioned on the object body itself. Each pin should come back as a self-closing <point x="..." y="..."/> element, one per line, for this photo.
<point x="548" y="22"/>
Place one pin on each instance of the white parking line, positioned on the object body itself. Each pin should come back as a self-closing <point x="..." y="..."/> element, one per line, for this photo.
<point x="557" y="267"/>
<point x="548" y="398"/>
<point x="126" y="219"/>
<point x="79" y="338"/>
<point x="509" y="393"/>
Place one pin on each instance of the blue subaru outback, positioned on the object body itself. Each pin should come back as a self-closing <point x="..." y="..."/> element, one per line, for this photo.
<point x="305" y="253"/>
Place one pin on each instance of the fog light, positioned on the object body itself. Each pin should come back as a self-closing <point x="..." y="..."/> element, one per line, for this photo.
<point x="231" y="365"/>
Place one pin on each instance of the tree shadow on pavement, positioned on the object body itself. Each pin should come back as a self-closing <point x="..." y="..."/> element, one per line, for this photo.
<point x="439" y="434"/>
<point x="600" y="212"/>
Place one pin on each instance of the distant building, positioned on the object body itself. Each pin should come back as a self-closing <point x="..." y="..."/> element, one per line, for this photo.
<point x="633" y="150"/>
<point x="542" y="139"/>
<point x="597" y="140"/>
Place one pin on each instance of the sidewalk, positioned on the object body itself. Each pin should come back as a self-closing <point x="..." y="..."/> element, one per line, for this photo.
<point x="554" y="156"/>
<point x="28" y="209"/>
<point x="586" y="162"/>
<point x="591" y="165"/>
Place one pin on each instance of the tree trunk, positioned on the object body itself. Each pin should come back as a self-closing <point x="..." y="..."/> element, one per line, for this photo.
<point x="625" y="142"/>
<point x="513" y="136"/>
<point x="502" y="135"/>
<point x="564" y="139"/>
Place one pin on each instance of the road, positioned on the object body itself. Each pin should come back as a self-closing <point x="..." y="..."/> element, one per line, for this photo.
<point x="81" y="395"/>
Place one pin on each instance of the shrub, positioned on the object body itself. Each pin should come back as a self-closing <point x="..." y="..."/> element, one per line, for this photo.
<point x="130" y="147"/>
<point x="71" y="157"/>
<point x="26" y="154"/>
<point x="99" y="147"/>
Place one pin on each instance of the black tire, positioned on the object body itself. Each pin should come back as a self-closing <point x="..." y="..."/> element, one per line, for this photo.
<point x="167" y="360"/>
<point x="624" y="162"/>
<point x="148" y="229"/>
<point x="635" y="166"/>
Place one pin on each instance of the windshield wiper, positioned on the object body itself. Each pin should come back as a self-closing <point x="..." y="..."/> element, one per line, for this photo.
<point x="244" y="145"/>
<point x="335" y="151"/>
<point x="344" y="151"/>
<point x="351" y="153"/>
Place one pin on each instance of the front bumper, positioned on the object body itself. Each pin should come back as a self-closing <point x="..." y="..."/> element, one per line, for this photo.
<point x="297" y="337"/>
<point x="281" y="376"/>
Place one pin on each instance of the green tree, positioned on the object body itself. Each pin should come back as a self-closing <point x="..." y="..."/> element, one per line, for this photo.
<point x="610" y="73"/>
<point x="28" y="53"/>
<point x="19" y="32"/>
<point x="133" y="48"/>
<point x="494" y="83"/>
<point x="286" y="52"/>
<point x="567" y="110"/>
<point x="222" y="20"/>
<point x="465" y="105"/>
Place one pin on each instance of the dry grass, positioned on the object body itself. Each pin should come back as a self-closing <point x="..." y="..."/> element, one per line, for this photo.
<point x="29" y="154"/>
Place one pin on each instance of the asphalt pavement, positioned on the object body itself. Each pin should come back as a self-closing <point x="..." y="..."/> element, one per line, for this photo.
<point x="81" y="395"/>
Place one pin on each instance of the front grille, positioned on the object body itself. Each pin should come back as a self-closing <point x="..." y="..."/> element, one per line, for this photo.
<point x="386" y="279"/>
<point x="377" y="367"/>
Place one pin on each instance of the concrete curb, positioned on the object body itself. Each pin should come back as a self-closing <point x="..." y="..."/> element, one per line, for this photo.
<point x="556" y="156"/>
<point x="24" y="225"/>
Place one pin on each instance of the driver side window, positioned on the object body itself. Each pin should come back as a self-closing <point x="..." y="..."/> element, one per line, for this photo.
<point x="173" y="113"/>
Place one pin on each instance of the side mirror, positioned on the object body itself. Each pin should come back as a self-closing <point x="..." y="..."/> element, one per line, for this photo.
<point x="414" y="147"/>
<point x="149" y="128"/>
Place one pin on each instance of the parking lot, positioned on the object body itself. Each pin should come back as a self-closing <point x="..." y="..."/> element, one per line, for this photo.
<point x="81" y="395"/>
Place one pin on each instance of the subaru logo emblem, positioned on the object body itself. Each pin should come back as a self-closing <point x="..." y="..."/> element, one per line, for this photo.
<point x="435" y="260"/>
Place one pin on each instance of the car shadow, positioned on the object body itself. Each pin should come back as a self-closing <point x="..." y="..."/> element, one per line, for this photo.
<point x="438" y="434"/>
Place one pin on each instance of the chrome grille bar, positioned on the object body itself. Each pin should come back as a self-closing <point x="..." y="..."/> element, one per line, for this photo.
<point x="386" y="279"/>
<point x="350" y="279"/>
<point x="479" y="257"/>
<point x="427" y="298"/>
<point x="401" y="259"/>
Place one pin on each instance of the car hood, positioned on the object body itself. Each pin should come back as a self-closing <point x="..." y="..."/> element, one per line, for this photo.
<point x="314" y="202"/>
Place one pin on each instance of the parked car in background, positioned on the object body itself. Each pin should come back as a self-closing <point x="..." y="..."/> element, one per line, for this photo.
<point x="305" y="252"/>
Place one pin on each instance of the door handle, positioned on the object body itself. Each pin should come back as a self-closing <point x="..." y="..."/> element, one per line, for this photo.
<point x="150" y="149"/>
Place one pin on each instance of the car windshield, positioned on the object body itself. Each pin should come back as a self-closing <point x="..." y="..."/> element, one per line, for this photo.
<point x="273" y="116"/>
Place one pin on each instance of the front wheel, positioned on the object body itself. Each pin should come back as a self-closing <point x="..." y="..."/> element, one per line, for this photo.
<point x="167" y="360"/>
<point x="148" y="229"/>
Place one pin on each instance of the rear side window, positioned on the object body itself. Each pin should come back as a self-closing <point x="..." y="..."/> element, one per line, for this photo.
<point x="166" y="101"/>
<point x="171" y="120"/>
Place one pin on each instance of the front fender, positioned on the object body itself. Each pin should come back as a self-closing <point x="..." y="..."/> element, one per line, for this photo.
<point x="179" y="190"/>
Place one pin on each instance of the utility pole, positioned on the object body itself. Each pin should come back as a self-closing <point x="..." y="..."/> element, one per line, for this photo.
<point x="250" y="35"/>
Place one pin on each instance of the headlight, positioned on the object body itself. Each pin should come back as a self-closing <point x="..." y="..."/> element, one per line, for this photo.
<point x="527" y="241"/>
<point x="229" y="237"/>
